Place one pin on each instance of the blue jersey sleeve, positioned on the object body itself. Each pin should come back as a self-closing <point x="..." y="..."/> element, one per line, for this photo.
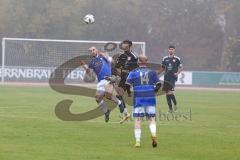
<point x="105" y="59"/>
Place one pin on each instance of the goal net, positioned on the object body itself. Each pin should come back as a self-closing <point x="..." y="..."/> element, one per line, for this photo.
<point x="34" y="60"/>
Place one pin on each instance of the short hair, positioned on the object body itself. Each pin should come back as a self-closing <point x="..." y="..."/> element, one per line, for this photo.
<point x="171" y="46"/>
<point x="128" y="42"/>
<point x="142" y="59"/>
<point x="93" y="49"/>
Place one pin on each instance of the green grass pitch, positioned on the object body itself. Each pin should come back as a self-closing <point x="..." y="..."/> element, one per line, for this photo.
<point x="30" y="130"/>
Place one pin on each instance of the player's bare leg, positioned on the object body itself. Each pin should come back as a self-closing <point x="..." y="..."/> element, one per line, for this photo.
<point x="171" y="98"/>
<point x="102" y="106"/>
<point x="111" y="94"/>
<point x="169" y="102"/>
<point x="175" y="108"/>
<point x="153" y="129"/>
<point x="137" y="131"/>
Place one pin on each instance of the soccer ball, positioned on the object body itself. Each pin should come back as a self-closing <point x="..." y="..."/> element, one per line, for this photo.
<point x="89" y="19"/>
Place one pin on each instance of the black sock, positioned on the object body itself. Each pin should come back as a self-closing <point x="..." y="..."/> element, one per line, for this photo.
<point x="169" y="101"/>
<point x="173" y="99"/>
<point x="124" y="105"/>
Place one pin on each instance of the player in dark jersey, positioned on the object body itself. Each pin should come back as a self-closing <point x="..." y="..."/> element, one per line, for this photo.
<point x="144" y="81"/>
<point x="126" y="62"/>
<point x="172" y="66"/>
<point x="101" y="65"/>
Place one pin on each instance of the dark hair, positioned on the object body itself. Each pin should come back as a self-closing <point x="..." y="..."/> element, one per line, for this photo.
<point x="128" y="42"/>
<point x="171" y="46"/>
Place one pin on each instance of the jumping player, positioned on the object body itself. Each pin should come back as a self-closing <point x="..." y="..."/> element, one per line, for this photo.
<point x="126" y="62"/>
<point x="101" y="65"/>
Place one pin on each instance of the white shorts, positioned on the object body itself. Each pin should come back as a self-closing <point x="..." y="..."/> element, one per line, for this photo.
<point x="148" y="111"/>
<point x="102" y="87"/>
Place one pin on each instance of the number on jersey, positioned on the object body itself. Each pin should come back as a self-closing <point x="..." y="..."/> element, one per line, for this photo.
<point x="144" y="78"/>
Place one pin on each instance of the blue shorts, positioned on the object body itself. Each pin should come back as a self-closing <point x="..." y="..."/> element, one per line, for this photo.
<point x="148" y="111"/>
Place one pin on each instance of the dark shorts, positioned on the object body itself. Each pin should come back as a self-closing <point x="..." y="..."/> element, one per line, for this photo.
<point x="169" y="83"/>
<point x="123" y="84"/>
<point x="123" y="80"/>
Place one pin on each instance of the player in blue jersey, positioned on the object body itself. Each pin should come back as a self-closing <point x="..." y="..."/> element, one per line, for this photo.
<point x="101" y="65"/>
<point x="144" y="82"/>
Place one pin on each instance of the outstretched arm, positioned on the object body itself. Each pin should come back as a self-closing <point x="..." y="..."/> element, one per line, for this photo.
<point x="84" y="66"/>
<point x="106" y="56"/>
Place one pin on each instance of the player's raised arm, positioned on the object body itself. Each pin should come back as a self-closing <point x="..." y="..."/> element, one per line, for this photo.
<point x="106" y="56"/>
<point x="84" y="66"/>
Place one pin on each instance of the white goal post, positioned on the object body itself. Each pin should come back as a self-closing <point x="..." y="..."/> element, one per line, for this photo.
<point x="33" y="60"/>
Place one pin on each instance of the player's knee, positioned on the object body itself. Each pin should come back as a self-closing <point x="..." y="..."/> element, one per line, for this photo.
<point x="108" y="95"/>
<point x="137" y="123"/>
<point x="151" y="119"/>
<point x="138" y="120"/>
<point x="98" y="98"/>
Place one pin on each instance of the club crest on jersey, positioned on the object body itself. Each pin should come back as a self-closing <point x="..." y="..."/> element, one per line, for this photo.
<point x="174" y="60"/>
<point x="97" y="63"/>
